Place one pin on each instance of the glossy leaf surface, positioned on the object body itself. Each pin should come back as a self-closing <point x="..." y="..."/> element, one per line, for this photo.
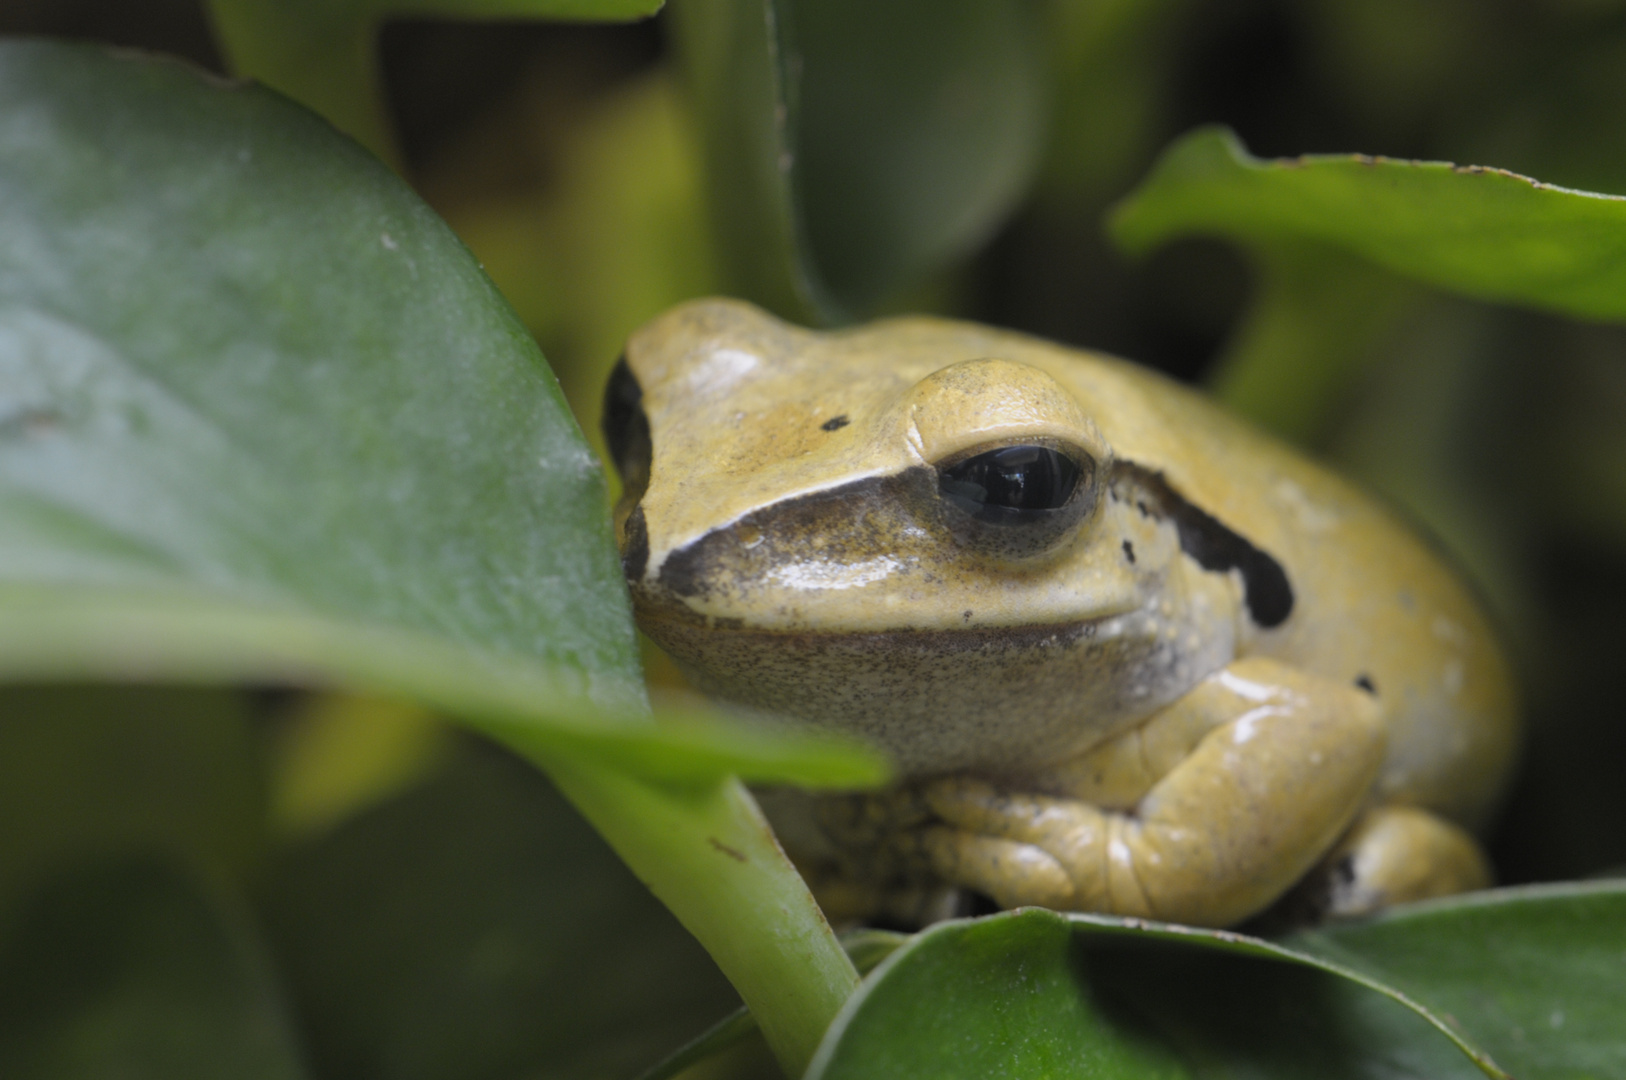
<point x="243" y="363"/>
<point x="1533" y="975"/>
<point x="992" y="997"/>
<point x="1522" y="980"/>
<point x="264" y="419"/>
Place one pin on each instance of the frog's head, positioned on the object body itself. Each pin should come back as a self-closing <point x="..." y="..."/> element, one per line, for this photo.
<point x="851" y="526"/>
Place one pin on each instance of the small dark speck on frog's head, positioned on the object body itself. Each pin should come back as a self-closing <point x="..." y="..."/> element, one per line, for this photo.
<point x="1364" y="681"/>
<point x="836" y="423"/>
<point x="1129" y="552"/>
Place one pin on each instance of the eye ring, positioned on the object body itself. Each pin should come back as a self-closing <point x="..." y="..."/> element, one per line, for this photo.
<point x="1016" y="499"/>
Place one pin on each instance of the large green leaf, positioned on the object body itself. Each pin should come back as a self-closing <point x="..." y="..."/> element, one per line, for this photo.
<point x="1527" y="980"/>
<point x="854" y="147"/>
<point x="992" y="997"/>
<point x="264" y="419"/>
<point x="133" y="970"/>
<point x="1535" y="975"/>
<point x="244" y="365"/>
<point x="1485" y="233"/>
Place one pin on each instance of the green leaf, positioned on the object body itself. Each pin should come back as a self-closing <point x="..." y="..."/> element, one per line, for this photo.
<point x="853" y="147"/>
<point x="323" y="52"/>
<point x="246" y="370"/>
<point x="1533" y="974"/>
<point x="1485" y="233"/>
<point x="265" y="420"/>
<point x="991" y="997"/>
<point x="1526" y="980"/>
<point x="134" y="971"/>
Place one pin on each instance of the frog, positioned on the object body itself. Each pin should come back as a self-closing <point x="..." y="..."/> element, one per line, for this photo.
<point x="1126" y="653"/>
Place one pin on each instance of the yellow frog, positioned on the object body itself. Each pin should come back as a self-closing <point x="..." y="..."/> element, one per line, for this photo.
<point x="1128" y="654"/>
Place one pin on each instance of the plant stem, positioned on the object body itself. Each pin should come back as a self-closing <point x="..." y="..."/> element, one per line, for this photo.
<point x="1317" y="314"/>
<point x="321" y="53"/>
<point x="708" y="854"/>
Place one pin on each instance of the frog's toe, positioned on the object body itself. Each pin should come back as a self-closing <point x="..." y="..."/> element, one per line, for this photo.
<point x="1011" y="873"/>
<point x="1393" y="855"/>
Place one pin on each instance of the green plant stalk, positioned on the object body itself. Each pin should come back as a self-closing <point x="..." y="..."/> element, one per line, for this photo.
<point x="323" y="55"/>
<point x="1316" y="316"/>
<point x="707" y="852"/>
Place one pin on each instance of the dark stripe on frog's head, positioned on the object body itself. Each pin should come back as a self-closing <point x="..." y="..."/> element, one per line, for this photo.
<point x="851" y="521"/>
<point x="1269" y="595"/>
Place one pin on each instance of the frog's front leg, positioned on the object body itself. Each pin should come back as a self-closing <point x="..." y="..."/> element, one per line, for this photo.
<point x="1228" y="797"/>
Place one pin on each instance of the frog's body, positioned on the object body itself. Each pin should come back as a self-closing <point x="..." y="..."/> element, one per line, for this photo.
<point x="1169" y="694"/>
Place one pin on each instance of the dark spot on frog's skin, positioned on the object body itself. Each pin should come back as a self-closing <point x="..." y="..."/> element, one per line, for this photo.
<point x="968" y="616"/>
<point x="1364" y="681"/>
<point x="836" y="423"/>
<point x="1129" y="552"/>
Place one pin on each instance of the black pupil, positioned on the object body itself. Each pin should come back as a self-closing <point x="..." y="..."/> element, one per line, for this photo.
<point x="1013" y="478"/>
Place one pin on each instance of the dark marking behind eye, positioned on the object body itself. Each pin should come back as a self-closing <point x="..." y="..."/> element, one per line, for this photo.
<point x="1364" y="681"/>
<point x="1267" y="592"/>
<point x="836" y="423"/>
<point x="1129" y="552"/>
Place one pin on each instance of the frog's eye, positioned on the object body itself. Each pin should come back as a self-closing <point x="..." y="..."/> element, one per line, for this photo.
<point x="1017" y="500"/>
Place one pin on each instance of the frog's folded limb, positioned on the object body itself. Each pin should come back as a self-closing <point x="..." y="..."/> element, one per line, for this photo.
<point x="1281" y="763"/>
<point x="1393" y="855"/>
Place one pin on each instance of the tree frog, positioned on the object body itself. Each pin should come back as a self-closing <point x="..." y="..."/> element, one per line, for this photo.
<point x="1128" y="654"/>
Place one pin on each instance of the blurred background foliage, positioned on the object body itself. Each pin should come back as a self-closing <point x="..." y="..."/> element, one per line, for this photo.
<point x="426" y="896"/>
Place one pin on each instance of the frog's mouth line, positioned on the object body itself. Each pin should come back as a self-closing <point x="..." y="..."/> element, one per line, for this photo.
<point x="657" y="608"/>
<point x="670" y="622"/>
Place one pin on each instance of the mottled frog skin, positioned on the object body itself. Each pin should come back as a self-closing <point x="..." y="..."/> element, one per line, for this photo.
<point x="1129" y="654"/>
